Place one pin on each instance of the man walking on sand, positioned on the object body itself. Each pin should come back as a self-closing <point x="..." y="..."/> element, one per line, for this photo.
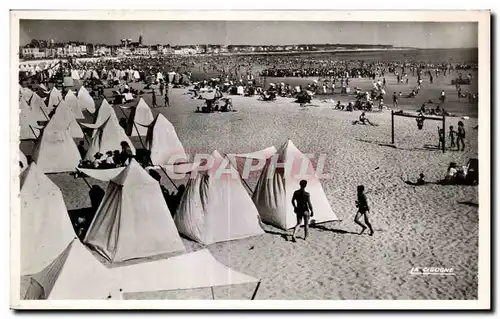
<point x="363" y="210"/>
<point x="301" y="202"/>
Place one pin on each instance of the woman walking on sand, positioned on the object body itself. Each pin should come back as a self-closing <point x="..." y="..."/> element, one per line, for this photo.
<point x="363" y="210"/>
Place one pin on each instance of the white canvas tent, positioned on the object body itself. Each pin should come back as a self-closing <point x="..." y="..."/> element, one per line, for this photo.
<point x="26" y="93"/>
<point x="103" y="114"/>
<point x="139" y="119"/>
<point x="55" y="97"/>
<point x="63" y="119"/>
<point x="215" y="206"/>
<point x="77" y="275"/>
<point x="46" y="229"/>
<point x="162" y="141"/>
<point x="108" y="137"/>
<point x="189" y="271"/>
<point x="74" y="275"/>
<point x="55" y="151"/>
<point x="85" y="101"/>
<point x="275" y="188"/>
<point x="38" y="108"/>
<point x="72" y="101"/>
<point x="29" y="129"/>
<point x="75" y="75"/>
<point x="133" y="220"/>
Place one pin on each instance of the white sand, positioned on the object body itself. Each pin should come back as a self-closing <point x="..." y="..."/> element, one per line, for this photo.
<point x="414" y="226"/>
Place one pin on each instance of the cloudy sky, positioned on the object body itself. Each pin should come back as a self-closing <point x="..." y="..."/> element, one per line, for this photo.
<point x="406" y="34"/>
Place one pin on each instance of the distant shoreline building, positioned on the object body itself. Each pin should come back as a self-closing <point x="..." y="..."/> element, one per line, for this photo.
<point x="41" y="49"/>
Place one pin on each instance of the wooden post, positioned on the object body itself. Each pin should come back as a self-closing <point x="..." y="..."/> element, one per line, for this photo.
<point x="256" y="289"/>
<point x="392" y="126"/>
<point x="444" y="133"/>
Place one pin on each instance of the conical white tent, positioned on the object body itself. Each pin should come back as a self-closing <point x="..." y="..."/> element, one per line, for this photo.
<point x="139" y="119"/>
<point x="63" y="119"/>
<point x="133" y="220"/>
<point x="46" y="229"/>
<point x="55" y="151"/>
<point x="29" y="129"/>
<point x="104" y="112"/>
<point x="72" y="101"/>
<point x="189" y="271"/>
<point x="75" y="275"/>
<point x="75" y="75"/>
<point x="163" y="142"/>
<point x="85" y="101"/>
<point x="26" y="93"/>
<point x="216" y="207"/>
<point x="108" y="137"/>
<point x="38" y="108"/>
<point x="275" y="188"/>
<point x="55" y="97"/>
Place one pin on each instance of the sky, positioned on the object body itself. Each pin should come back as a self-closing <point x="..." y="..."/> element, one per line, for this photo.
<point x="400" y="34"/>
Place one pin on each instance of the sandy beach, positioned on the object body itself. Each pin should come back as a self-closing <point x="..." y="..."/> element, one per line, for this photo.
<point x="425" y="226"/>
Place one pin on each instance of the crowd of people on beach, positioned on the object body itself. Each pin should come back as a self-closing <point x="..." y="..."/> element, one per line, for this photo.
<point x="240" y="75"/>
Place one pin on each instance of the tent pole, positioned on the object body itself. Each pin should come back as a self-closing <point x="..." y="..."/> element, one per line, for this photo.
<point x="256" y="289"/>
<point x="86" y="182"/>
<point x="244" y="182"/>
<point x="164" y="172"/>
<point x="213" y="295"/>
<point x="45" y="114"/>
<point x="392" y="126"/>
<point x="33" y="131"/>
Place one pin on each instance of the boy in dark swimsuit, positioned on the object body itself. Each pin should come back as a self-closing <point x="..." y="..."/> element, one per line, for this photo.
<point x="363" y="209"/>
<point x="301" y="202"/>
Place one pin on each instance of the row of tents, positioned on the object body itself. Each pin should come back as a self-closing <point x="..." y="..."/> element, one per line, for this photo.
<point x="55" y="151"/>
<point x="133" y="220"/>
<point x="57" y="266"/>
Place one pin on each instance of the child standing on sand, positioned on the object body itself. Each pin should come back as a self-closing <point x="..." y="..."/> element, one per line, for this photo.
<point x="441" y="138"/>
<point x="452" y="135"/>
<point x="363" y="210"/>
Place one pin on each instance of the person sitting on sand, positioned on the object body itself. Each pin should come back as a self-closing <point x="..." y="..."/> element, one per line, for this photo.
<point x="363" y="210"/>
<point x="420" y="181"/>
<point x="363" y="120"/>
<point x="301" y="202"/>
<point x="452" y="172"/>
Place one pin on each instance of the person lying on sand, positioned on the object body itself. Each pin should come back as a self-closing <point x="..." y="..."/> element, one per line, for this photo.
<point x="420" y="181"/>
<point x="363" y="210"/>
<point x="302" y="207"/>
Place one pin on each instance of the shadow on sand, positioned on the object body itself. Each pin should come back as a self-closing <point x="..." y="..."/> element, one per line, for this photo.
<point x="426" y="147"/>
<point x="468" y="203"/>
<point x="333" y="230"/>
